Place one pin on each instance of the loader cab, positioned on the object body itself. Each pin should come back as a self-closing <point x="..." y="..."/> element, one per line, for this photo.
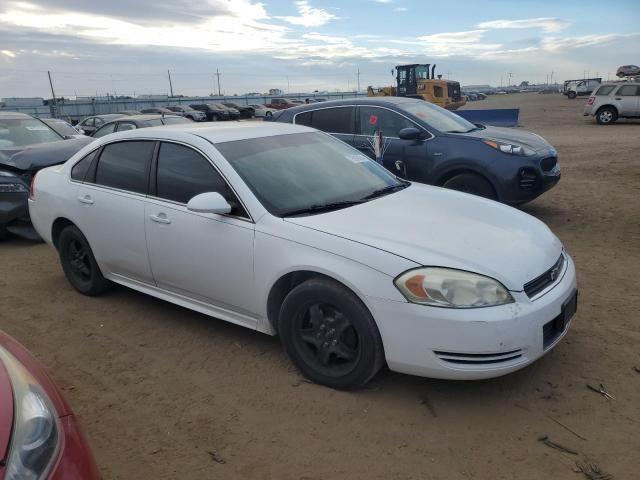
<point x="408" y="77"/>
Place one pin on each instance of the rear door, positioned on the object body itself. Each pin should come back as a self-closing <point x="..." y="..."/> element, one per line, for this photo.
<point x="628" y="100"/>
<point x="111" y="213"/>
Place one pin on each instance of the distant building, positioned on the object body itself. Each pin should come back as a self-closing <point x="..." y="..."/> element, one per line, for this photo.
<point x="275" y="91"/>
<point x="23" y="102"/>
<point x="476" y="87"/>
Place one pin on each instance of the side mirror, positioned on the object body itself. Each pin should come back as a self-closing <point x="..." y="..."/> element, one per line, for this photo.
<point x="411" y="133"/>
<point x="209" y="202"/>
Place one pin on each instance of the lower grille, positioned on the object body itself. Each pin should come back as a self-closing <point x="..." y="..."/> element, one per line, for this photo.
<point x="478" y="359"/>
<point x="528" y="179"/>
<point x="549" y="277"/>
<point x="547" y="164"/>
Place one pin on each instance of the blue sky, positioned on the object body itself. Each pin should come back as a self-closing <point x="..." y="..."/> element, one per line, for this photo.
<point x="126" y="46"/>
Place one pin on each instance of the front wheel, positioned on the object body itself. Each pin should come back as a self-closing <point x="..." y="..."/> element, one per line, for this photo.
<point x="473" y="184"/>
<point x="330" y="335"/>
<point x="572" y="95"/>
<point x="606" y="115"/>
<point x="79" y="264"/>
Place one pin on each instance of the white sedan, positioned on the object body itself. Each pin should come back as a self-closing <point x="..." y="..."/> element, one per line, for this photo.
<point x="286" y="230"/>
<point x="262" y="111"/>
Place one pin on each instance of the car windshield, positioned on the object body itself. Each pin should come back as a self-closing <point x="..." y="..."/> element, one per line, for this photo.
<point x="18" y="132"/>
<point x="438" y="117"/>
<point x="290" y="174"/>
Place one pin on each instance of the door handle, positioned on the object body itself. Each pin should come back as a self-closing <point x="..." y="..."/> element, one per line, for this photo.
<point x="160" y="218"/>
<point x="618" y="98"/>
<point x="86" y="199"/>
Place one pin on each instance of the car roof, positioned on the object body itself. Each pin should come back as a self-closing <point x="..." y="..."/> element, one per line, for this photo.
<point x="215" y="133"/>
<point x="375" y="101"/>
<point x="147" y="116"/>
<point x="11" y="115"/>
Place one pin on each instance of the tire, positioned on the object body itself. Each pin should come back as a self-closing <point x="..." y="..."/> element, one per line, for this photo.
<point x="606" y="115"/>
<point x="268" y="114"/>
<point x="214" y="118"/>
<point x="572" y="95"/>
<point x="79" y="264"/>
<point x="473" y="184"/>
<point x="330" y="335"/>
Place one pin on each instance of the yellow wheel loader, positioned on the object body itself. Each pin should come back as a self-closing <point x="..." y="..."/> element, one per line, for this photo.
<point x="418" y="81"/>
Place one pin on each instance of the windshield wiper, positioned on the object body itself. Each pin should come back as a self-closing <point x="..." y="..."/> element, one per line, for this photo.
<point x="325" y="207"/>
<point x="386" y="190"/>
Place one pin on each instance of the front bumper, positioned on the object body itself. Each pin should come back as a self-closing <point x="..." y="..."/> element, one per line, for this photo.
<point x="471" y="344"/>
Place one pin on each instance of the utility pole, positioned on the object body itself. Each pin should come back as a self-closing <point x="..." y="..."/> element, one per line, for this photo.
<point x="170" y="84"/>
<point x="218" y="75"/>
<point x="510" y="75"/>
<point x="358" y="79"/>
<point x="551" y="78"/>
<point x="53" y="94"/>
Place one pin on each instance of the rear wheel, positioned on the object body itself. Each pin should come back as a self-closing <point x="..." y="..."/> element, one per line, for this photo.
<point x="606" y="115"/>
<point x="572" y="95"/>
<point x="471" y="183"/>
<point x="330" y="335"/>
<point x="79" y="264"/>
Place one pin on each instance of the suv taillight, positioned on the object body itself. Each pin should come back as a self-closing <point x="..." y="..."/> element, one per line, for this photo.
<point x="591" y="100"/>
<point x="31" y="191"/>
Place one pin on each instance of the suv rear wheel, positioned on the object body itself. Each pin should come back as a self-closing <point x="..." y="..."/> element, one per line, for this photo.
<point x="606" y="115"/>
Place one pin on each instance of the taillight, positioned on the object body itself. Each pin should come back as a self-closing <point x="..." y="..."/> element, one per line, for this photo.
<point x="591" y="100"/>
<point x="31" y="191"/>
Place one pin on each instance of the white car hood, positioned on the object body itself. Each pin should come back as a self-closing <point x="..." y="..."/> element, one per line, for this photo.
<point x="437" y="227"/>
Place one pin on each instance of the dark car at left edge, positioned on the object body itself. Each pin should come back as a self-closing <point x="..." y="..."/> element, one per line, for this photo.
<point x="428" y="144"/>
<point x="26" y="145"/>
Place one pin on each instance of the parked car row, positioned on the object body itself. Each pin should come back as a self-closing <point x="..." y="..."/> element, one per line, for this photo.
<point x="473" y="96"/>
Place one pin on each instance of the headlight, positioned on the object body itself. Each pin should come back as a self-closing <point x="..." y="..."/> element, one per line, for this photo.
<point x="35" y="439"/>
<point x="13" y="188"/>
<point x="510" y="148"/>
<point x="445" y="287"/>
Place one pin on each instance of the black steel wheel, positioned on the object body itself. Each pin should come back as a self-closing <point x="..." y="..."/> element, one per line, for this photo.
<point x="79" y="264"/>
<point x="330" y="335"/>
<point x="473" y="184"/>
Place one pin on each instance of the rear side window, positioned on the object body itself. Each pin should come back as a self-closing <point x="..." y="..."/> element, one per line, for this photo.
<point x="80" y="169"/>
<point x="333" y="120"/>
<point x="124" y="165"/>
<point x="605" y="90"/>
<point x="628" y="91"/>
<point x="304" y="119"/>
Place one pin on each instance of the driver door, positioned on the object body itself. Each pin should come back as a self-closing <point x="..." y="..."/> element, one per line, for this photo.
<point x="206" y="257"/>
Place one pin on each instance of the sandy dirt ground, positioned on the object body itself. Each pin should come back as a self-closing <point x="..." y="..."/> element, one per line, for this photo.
<point x="158" y="387"/>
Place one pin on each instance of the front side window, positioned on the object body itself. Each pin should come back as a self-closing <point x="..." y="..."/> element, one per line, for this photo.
<point x="605" y="90"/>
<point x="289" y="173"/>
<point x="98" y="122"/>
<point x="628" y="91"/>
<point x="105" y="130"/>
<point x="124" y="165"/>
<point x="333" y="120"/>
<point x="390" y="123"/>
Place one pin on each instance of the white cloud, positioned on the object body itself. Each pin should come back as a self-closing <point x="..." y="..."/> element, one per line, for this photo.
<point x="383" y="1"/>
<point x="471" y="36"/>
<point x="547" y="24"/>
<point x="400" y="9"/>
<point x="309" y="16"/>
<point x="8" y="53"/>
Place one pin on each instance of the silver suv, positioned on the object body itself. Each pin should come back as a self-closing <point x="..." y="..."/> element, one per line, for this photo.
<point x="614" y="100"/>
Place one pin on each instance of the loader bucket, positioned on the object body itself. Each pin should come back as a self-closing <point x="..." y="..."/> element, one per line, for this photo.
<point x="498" y="117"/>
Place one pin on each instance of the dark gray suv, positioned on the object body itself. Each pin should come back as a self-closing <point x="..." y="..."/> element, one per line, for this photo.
<point x="428" y="144"/>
